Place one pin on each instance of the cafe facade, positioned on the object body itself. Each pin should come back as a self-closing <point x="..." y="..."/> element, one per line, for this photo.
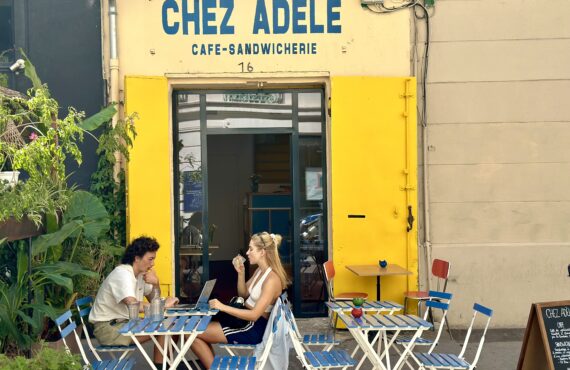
<point x="244" y="106"/>
<point x="292" y="117"/>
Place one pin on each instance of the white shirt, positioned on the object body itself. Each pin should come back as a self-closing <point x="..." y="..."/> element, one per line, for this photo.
<point x="120" y="284"/>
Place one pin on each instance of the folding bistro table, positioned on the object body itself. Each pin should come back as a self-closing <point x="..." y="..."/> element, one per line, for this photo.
<point x="376" y="270"/>
<point x="186" y="327"/>
<point x="368" y="306"/>
<point x="359" y="329"/>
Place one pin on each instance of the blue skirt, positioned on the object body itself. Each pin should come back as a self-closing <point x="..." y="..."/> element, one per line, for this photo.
<point x="238" y="331"/>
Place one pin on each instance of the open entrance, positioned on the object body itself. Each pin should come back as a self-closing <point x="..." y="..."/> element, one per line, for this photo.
<point x="250" y="162"/>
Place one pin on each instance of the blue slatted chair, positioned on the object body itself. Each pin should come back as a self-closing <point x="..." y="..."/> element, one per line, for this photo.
<point x="66" y="326"/>
<point x="432" y="360"/>
<point x="325" y="359"/>
<point x="233" y="362"/>
<point x="442" y="303"/>
<point x="327" y="341"/>
<point x="84" y="306"/>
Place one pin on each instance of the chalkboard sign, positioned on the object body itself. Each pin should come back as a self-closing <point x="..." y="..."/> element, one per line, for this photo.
<point x="546" y="343"/>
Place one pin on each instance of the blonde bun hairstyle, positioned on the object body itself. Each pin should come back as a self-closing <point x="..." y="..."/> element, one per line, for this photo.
<point x="271" y="243"/>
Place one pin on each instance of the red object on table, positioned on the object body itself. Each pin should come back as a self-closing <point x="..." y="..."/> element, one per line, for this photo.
<point x="356" y="312"/>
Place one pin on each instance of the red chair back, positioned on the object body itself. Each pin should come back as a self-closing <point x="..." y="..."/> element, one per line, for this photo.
<point x="329" y="270"/>
<point x="440" y="268"/>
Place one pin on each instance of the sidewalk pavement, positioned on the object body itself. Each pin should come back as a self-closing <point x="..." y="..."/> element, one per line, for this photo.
<point x="500" y="351"/>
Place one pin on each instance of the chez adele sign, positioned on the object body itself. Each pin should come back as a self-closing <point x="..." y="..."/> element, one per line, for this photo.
<point x="271" y="17"/>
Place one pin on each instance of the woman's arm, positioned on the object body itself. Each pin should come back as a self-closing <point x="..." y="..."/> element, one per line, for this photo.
<point x="241" y="285"/>
<point x="270" y="290"/>
<point x="243" y="288"/>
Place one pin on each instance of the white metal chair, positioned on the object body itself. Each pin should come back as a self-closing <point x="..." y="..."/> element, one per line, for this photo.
<point x="308" y="340"/>
<point x="325" y="359"/>
<point x="432" y="360"/>
<point x="250" y="362"/>
<point x="440" y="269"/>
<point x="442" y="303"/>
<point x="84" y="306"/>
<point x="330" y="273"/>
<point x="66" y="326"/>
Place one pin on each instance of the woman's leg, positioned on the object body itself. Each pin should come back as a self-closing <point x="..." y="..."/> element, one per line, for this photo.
<point x="202" y="347"/>
<point x="157" y="356"/>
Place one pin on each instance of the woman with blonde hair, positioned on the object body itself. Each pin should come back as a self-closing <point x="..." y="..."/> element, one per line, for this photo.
<point x="247" y="325"/>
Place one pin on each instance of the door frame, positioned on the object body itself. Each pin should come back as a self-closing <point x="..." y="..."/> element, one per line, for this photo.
<point x="294" y="136"/>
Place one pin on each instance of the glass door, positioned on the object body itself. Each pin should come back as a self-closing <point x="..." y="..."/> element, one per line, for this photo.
<point x="189" y="233"/>
<point x="309" y="209"/>
<point x="274" y="140"/>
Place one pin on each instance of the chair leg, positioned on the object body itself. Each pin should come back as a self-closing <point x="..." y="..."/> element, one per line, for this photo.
<point x="333" y="323"/>
<point x="420" y="308"/>
<point x="405" y="305"/>
<point x="448" y="329"/>
<point x="430" y="318"/>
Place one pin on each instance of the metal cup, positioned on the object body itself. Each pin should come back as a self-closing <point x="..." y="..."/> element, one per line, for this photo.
<point x="133" y="311"/>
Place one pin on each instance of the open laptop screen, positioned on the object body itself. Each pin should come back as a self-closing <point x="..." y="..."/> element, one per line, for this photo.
<point x="202" y="299"/>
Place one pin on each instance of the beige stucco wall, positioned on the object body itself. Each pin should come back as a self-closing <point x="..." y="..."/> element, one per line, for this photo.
<point x="498" y="153"/>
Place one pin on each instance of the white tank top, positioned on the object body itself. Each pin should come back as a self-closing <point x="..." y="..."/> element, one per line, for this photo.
<point x="255" y="289"/>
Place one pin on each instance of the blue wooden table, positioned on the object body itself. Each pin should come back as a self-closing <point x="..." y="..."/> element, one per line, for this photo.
<point x="380" y="324"/>
<point x="198" y="311"/>
<point x="376" y="306"/>
<point x="186" y="327"/>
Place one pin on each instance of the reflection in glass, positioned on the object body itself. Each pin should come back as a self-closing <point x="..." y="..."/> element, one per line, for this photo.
<point x="249" y="110"/>
<point x="312" y="214"/>
<point x="190" y="195"/>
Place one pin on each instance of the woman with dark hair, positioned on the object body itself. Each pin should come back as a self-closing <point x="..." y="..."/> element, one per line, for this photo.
<point x="127" y="283"/>
<point x="247" y="325"/>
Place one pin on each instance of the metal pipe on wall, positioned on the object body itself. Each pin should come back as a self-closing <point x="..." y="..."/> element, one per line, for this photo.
<point x="425" y="201"/>
<point x="114" y="73"/>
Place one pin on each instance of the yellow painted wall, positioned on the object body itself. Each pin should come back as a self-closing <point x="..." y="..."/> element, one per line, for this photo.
<point x="371" y="151"/>
<point x="149" y="172"/>
<point x="367" y="142"/>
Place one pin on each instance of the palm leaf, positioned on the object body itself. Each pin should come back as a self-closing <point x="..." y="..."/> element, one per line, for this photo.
<point x="96" y="120"/>
<point x="30" y="71"/>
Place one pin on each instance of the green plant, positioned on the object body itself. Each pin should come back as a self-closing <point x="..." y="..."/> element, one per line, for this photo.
<point x="44" y="359"/>
<point x="3" y="80"/>
<point x="68" y="260"/>
<point x="22" y="321"/>
<point x="109" y="189"/>
<point x="35" y="140"/>
<point x="80" y="246"/>
<point x="81" y="241"/>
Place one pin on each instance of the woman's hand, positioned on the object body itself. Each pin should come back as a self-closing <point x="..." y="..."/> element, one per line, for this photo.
<point x="171" y="301"/>
<point x="217" y="305"/>
<point x="240" y="269"/>
<point x="238" y="264"/>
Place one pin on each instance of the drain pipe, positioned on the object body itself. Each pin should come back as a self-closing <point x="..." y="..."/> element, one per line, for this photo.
<point x="114" y="74"/>
<point x="425" y="201"/>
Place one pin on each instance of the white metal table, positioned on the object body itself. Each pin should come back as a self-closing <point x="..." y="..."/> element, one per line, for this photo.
<point x="368" y="306"/>
<point x="186" y="327"/>
<point x="380" y="324"/>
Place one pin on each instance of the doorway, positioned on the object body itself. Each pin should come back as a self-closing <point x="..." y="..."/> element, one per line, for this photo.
<point x="250" y="161"/>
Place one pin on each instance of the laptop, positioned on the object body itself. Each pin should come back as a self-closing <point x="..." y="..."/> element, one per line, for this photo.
<point x="202" y="299"/>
